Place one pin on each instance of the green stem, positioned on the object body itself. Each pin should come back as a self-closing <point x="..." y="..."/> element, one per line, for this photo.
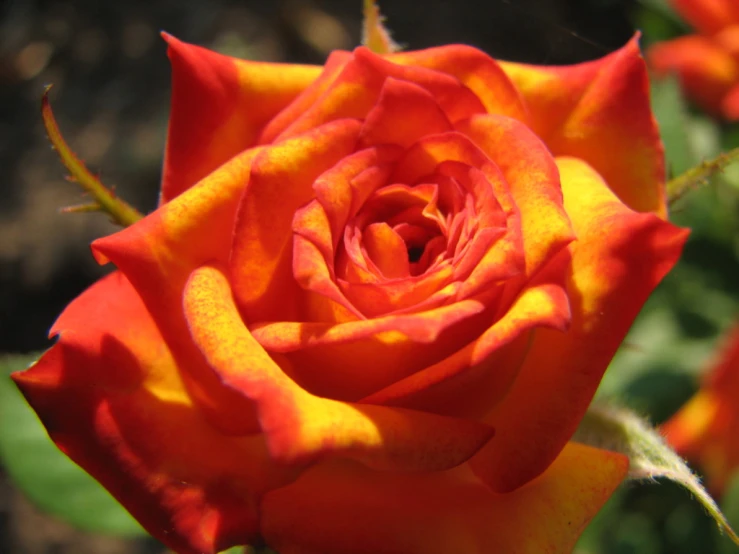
<point x="104" y="200"/>
<point x="699" y="175"/>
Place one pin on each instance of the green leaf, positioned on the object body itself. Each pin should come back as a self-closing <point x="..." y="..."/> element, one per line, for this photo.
<point x="620" y="430"/>
<point x="50" y="479"/>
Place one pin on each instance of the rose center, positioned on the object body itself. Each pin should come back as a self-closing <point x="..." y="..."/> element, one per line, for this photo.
<point x="414" y="253"/>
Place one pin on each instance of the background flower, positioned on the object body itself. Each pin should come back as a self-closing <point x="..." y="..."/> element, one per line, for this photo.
<point x="706" y="429"/>
<point x="707" y="62"/>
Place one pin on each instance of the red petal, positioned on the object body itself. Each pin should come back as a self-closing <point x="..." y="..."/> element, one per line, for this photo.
<point x="112" y="398"/>
<point x="158" y="253"/>
<point x="301" y="428"/>
<point x="475" y="70"/>
<point x="705" y="429"/>
<point x="619" y="257"/>
<point x="331" y="70"/>
<point x="342" y="508"/>
<point x="361" y="357"/>
<point x="403" y="114"/>
<point x="708" y="16"/>
<point x="281" y="181"/>
<point x="706" y="70"/>
<point x="594" y="109"/>
<point x="473" y="379"/>
<point x="219" y="107"/>
<point x="533" y="180"/>
<point x="355" y="91"/>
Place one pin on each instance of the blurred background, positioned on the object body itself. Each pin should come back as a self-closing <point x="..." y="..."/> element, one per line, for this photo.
<point x="111" y="90"/>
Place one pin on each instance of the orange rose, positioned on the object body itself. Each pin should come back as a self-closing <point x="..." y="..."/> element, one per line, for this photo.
<point x="707" y="63"/>
<point x="372" y="307"/>
<point x="706" y="430"/>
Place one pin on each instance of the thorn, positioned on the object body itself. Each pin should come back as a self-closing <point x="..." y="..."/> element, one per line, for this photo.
<point x="80" y="208"/>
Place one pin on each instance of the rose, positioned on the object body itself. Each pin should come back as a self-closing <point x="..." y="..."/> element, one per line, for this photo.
<point x="705" y="430"/>
<point x="372" y="307"/>
<point x="707" y="63"/>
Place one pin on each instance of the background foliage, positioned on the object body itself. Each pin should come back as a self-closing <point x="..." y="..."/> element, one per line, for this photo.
<point x="111" y="77"/>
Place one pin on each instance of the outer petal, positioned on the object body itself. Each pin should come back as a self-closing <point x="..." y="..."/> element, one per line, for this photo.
<point x="158" y="253"/>
<point x="341" y="508"/>
<point x="617" y="260"/>
<point x="593" y="109"/>
<point x="111" y="398"/>
<point x="708" y="16"/>
<point x="331" y="70"/>
<point x="301" y="428"/>
<point x="706" y="70"/>
<point x="219" y="107"/>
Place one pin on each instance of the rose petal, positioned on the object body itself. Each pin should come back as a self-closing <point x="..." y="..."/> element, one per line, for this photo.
<point x="472" y="380"/>
<point x="387" y="251"/>
<point x="593" y="109"/>
<point x="281" y="181"/>
<point x="219" y="106"/>
<point x="313" y="270"/>
<point x="320" y="225"/>
<point x="356" y="91"/>
<point x="706" y="71"/>
<point x="533" y="180"/>
<point x="707" y="16"/>
<point x="361" y="357"/>
<point x="618" y="259"/>
<point x="476" y="70"/>
<point x="110" y="395"/>
<point x="158" y="253"/>
<point x="404" y="113"/>
<point x="301" y="428"/>
<point x="340" y="508"/>
<point x="453" y="154"/>
<point x="333" y="67"/>
<point x="343" y="189"/>
<point x="426" y="155"/>
<point x="374" y="297"/>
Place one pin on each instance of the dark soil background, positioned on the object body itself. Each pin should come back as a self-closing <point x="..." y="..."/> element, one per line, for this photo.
<point x="111" y="95"/>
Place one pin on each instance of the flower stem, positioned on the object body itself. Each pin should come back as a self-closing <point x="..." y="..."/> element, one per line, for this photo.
<point x="699" y="175"/>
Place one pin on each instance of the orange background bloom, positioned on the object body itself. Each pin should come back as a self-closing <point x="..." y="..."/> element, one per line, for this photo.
<point x="706" y="430"/>
<point x="373" y="305"/>
<point x="707" y="63"/>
